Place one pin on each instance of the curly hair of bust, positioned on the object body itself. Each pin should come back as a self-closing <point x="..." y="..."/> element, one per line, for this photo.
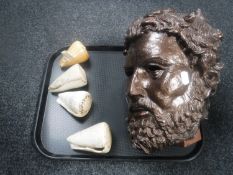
<point x="199" y="40"/>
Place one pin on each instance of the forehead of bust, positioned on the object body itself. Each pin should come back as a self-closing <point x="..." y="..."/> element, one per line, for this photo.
<point x="157" y="46"/>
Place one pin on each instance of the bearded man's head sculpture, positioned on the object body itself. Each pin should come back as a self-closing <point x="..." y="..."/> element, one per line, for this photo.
<point x="173" y="68"/>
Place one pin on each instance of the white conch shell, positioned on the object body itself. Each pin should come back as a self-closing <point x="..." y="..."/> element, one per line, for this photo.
<point x="76" y="53"/>
<point x="97" y="139"/>
<point x="74" y="77"/>
<point x="78" y="103"/>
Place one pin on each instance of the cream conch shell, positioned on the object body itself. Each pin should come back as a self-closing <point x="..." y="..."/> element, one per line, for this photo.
<point x="74" y="77"/>
<point x="97" y="139"/>
<point x="78" y="103"/>
<point x="76" y="53"/>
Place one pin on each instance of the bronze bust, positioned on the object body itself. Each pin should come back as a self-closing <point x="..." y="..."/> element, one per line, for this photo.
<point x="173" y="68"/>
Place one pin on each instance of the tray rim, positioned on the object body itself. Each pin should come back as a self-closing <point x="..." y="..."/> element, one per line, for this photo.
<point x="40" y="109"/>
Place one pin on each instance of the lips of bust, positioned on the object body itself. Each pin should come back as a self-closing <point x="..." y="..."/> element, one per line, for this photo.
<point x="139" y="111"/>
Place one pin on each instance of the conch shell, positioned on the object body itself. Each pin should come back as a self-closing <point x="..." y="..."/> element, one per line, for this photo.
<point x="74" y="77"/>
<point x="97" y="139"/>
<point x="76" y="53"/>
<point x="78" y="103"/>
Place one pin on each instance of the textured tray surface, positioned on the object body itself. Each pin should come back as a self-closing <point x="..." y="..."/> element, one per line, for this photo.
<point x="106" y="83"/>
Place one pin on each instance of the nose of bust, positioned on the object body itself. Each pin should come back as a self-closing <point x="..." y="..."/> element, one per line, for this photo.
<point x="137" y="85"/>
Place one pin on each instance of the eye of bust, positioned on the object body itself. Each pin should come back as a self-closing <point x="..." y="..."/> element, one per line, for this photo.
<point x="129" y="71"/>
<point x="154" y="69"/>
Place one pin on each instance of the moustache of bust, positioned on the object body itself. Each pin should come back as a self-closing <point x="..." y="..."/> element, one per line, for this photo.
<point x="142" y="107"/>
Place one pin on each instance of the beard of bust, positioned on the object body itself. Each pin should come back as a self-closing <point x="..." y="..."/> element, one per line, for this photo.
<point x="164" y="127"/>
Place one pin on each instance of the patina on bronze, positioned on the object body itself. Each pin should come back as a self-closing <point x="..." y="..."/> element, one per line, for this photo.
<point x="173" y="68"/>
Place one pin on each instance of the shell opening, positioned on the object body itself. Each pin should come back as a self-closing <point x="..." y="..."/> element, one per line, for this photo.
<point x="85" y="148"/>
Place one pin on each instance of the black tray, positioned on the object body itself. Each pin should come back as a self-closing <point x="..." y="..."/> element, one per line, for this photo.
<point x="106" y="83"/>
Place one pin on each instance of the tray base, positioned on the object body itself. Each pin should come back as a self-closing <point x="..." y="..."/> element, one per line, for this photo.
<point x="106" y="83"/>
